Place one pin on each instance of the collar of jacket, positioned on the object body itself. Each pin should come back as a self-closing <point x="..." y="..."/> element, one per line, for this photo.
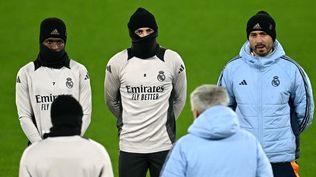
<point x="261" y="62"/>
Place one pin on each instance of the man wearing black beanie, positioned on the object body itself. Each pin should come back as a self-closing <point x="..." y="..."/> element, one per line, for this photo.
<point x="145" y="89"/>
<point x="51" y="74"/>
<point x="64" y="152"/>
<point x="271" y="94"/>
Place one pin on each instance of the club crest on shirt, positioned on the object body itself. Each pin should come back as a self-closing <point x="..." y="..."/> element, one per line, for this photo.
<point x="275" y="81"/>
<point x="161" y="76"/>
<point x="69" y="83"/>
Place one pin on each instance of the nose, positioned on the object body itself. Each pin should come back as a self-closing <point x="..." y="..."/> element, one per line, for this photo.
<point x="54" y="46"/>
<point x="145" y="33"/>
<point x="259" y="39"/>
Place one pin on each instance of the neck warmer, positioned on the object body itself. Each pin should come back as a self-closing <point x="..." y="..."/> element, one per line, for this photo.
<point x="52" y="59"/>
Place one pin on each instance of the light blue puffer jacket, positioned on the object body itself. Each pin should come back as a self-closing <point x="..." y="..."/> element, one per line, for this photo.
<point x="273" y="98"/>
<point x="216" y="146"/>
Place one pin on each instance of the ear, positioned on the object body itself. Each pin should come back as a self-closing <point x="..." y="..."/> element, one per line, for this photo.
<point x="195" y="113"/>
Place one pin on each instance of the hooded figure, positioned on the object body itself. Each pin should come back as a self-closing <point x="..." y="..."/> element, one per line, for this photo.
<point x="52" y="28"/>
<point x="66" y="113"/>
<point x="271" y="94"/>
<point x="64" y="152"/>
<point x="145" y="89"/>
<point x="51" y="74"/>
<point x="143" y="47"/>
<point x="215" y="144"/>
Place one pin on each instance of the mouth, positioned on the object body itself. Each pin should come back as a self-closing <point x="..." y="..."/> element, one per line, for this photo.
<point x="260" y="46"/>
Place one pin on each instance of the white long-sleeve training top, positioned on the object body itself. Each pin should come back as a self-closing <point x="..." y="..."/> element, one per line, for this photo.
<point x="65" y="156"/>
<point x="36" y="89"/>
<point x="146" y="96"/>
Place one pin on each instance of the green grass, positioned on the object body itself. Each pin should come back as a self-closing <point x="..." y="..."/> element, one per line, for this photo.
<point x="206" y="34"/>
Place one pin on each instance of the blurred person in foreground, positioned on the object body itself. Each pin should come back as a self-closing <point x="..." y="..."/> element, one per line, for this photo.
<point x="215" y="144"/>
<point x="63" y="152"/>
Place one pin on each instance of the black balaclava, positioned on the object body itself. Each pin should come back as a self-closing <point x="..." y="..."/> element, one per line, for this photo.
<point x="66" y="116"/>
<point x="262" y="21"/>
<point x="147" y="46"/>
<point x="56" y="28"/>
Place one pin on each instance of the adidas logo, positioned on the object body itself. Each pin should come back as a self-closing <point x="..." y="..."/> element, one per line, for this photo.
<point x="257" y="26"/>
<point x="87" y="77"/>
<point x="54" y="32"/>
<point x="18" y="80"/>
<point x="108" y="68"/>
<point x="181" y="69"/>
<point x="243" y="82"/>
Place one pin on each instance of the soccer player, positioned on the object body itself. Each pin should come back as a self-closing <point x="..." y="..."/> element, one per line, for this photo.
<point x="215" y="144"/>
<point x="271" y="94"/>
<point x="64" y="153"/>
<point x="145" y="88"/>
<point x="53" y="73"/>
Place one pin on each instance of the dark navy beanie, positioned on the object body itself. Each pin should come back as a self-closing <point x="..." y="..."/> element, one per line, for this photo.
<point x="142" y="18"/>
<point x="52" y="27"/>
<point x="262" y="21"/>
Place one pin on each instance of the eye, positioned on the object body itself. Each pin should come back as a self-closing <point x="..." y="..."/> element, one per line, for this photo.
<point x="253" y="34"/>
<point x="139" y="31"/>
<point x="49" y="41"/>
<point x="59" y="42"/>
<point x="149" y="30"/>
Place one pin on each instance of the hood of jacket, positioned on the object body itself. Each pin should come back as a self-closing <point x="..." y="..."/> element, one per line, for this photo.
<point x="217" y="122"/>
<point x="258" y="61"/>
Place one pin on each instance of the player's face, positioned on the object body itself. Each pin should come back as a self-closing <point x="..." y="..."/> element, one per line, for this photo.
<point x="55" y="44"/>
<point x="260" y="42"/>
<point x="145" y="31"/>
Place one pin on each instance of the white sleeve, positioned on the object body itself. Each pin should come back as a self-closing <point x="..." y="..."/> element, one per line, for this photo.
<point x="179" y="86"/>
<point x="104" y="159"/>
<point x="23" y="170"/>
<point x="24" y="107"/>
<point x="107" y="166"/>
<point x="112" y="88"/>
<point x="85" y="99"/>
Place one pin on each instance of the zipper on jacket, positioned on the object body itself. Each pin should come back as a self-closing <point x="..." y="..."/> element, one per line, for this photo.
<point x="260" y="119"/>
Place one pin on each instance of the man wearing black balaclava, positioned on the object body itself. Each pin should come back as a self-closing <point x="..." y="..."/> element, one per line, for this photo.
<point x="145" y="89"/>
<point x="52" y="40"/>
<point x="52" y="73"/>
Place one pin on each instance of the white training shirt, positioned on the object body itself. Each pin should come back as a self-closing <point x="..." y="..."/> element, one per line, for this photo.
<point x="37" y="88"/>
<point x="65" y="156"/>
<point x="146" y="96"/>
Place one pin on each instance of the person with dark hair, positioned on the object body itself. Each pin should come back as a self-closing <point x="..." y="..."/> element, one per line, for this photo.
<point x="63" y="152"/>
<point x="215" y="145"/>
<point x="145" y="89"/>
<point x="52" y="73"/>
<point x="271" y="94"/>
